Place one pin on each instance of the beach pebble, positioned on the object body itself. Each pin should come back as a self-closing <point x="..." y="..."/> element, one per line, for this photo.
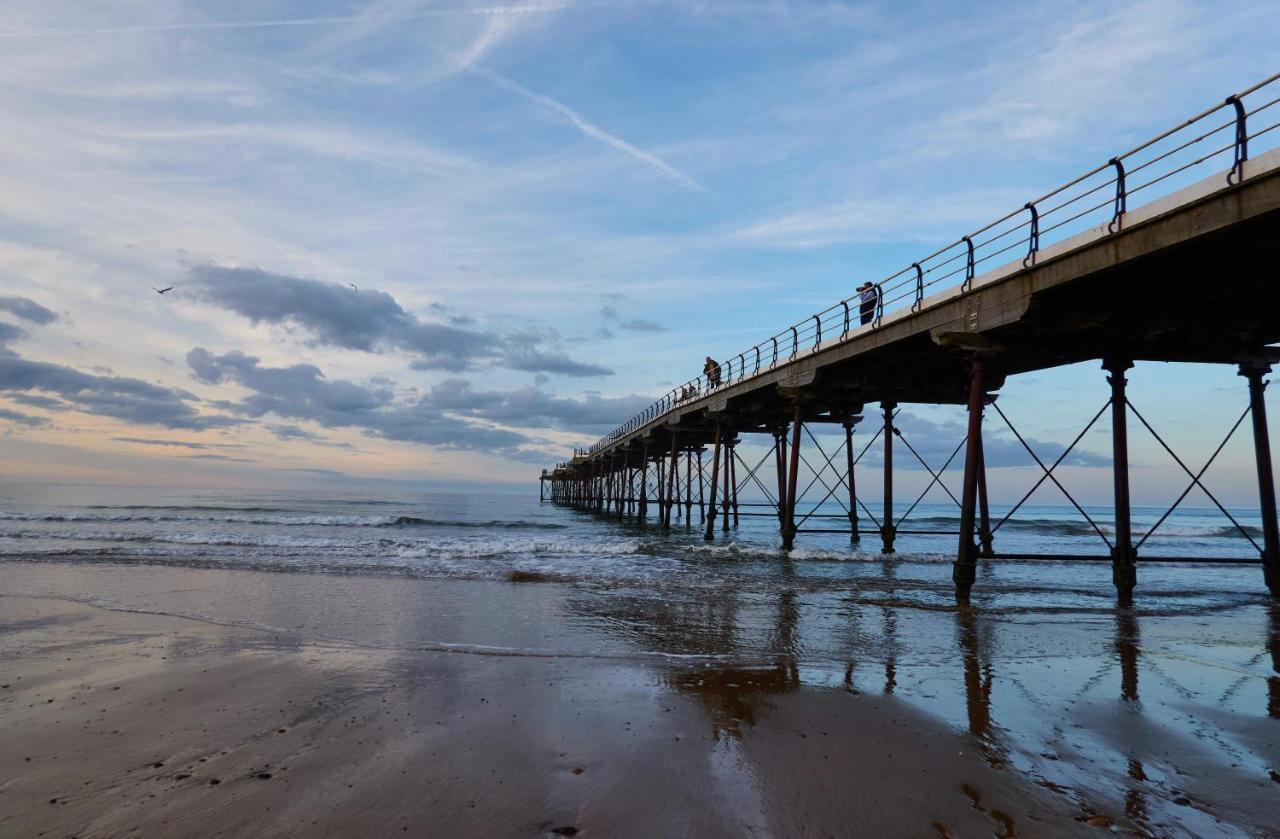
<point x="1099" y="821"/>
<point x="567" y="830"/>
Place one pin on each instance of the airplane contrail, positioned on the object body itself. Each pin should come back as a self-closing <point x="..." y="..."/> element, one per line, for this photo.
<point x="485" y="11"/>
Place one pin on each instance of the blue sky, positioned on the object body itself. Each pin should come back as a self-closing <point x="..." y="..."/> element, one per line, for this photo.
<point x="550" y="212"/>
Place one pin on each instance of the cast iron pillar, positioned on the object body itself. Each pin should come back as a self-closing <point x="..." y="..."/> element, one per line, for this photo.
<point x="1124" y="571"/>
<point x="702" y="492"/>
<point x="985" y="547"/>
<point x="853" y="486"/>
<point x="962" y="572"/>
<point x="780" y="460"/>
<point x="789" y="505"/>
<point x="672" y="470"/>
<point x="643" y="511"/>
<point x="728" y="484"/>
<point x="711" y="506"/>
<point x="887" y="531"/>
<point x="733" y="481"/>
<point x="688" y="488"/>
<point x="1266" y="480"/>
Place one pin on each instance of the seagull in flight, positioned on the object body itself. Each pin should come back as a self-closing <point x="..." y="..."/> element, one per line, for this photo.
<point x="161" y="290"/>
<point x="353" y="286"/>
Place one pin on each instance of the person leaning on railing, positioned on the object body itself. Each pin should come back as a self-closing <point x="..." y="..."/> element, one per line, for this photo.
<point x="867" y="302"/>
<point x="712" y="371"/>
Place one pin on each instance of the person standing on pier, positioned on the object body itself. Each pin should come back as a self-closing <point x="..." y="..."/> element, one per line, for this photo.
<point x="712" y="371"/>
<point x="867" y="295"/>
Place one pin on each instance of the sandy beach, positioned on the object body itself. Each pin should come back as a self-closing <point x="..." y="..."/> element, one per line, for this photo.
<point x="131" y="722"/>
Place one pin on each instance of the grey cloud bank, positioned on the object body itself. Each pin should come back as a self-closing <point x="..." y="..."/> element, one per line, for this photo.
<point x="27" y="309"/>
<point x="368" y="320"/>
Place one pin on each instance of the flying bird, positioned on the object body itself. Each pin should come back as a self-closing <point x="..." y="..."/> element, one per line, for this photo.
<point x="161" y="290"/>
<point x="353" y="286"/>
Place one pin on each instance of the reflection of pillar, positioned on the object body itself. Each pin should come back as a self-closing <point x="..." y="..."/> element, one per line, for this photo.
<point x="1127" y="652"/>
<point x="977" y="691"/>
<point x="853" y="485"/>
<point x="1266" y="480"/>
<point x="890" y="650"/>
<point x="788" y="617"/>
<point x="887" y="530"/>
<point x="1273" y="646"/>
<point x="1123" y="570"/>
<point x="711" y="506"/>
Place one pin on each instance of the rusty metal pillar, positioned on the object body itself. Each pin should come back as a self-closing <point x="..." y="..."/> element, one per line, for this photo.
<point x="780" y="458"/>
<point x="887" y="531"/>
<point x="733" y="480"/>
<point x="1127" y="651"/>
<point x="672" y="470"/>
<point x="852" y="483"/>
<point x="643" y="508"/>
<point x="688" y="486"/>
<point x="962" y="571"/>
<point x="793" y="474"/>
<point x="728" y="485"/>
<point x="660" y="476"/>
<point x="985" y="548"/>
<point x="715" y="473"/>
<point x="1266" y="479"/>
<point x="1123" y="556"/>
<point x="702" y="495"/>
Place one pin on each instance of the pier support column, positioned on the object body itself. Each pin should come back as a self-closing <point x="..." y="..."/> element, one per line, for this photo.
<point x="1266" y="480"/>
<point x="688" y="488"/>
<point x="728" y="485"/>
<point x="733" y="481"/>
<point x="643" y="508"/>
<point x="853" y="486"/>
<point x="1124" y="571"/>
<point x="780" y="459"/>
<point x="962" y="572"/>
<point x="793" y="475"/>
<point x="672" y="470"/>
<point x="715" y="474"/>
<point x="985" y="548"/>
<point x="702" y="495"/>
<point x="888" y="533"/>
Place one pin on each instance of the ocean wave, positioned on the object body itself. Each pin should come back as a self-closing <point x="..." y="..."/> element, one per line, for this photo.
<point x="294" y="520"/>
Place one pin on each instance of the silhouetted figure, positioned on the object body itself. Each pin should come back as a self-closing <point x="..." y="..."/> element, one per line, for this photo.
<point x="867" y="299"/>
<point x="712" y="371"/>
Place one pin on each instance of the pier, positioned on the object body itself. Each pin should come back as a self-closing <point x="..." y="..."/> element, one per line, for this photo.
<point x="1075" y="275"/>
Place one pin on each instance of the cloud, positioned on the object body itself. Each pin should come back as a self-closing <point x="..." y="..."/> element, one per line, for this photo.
<point x="301" y="392"/>
<point x="594" y="131"/>
<point x="183" y="444"/>
<point x="532" y="407"/>
<point x="22" y="419"/>
<point x="9" y="332"/>
<point x="46" y="403"/>
<point x="219" y="457"/>
<point x="128" y="399"/>
<point x="27" y="309"/>
<point x="611" y="314"/>
<point x="367" y="320"/>
<point x="373" y="321"/>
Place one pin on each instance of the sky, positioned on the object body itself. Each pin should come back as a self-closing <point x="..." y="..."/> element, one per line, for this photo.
<point x="446" y="242"/>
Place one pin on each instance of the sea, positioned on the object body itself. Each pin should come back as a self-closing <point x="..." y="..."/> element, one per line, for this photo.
<point x="515" y="538"/>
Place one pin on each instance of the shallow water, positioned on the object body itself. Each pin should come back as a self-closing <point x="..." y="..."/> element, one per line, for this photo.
<point x="1166" y="714"/>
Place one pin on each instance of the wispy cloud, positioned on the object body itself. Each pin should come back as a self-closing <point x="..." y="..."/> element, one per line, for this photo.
<point x="590" y="129"/>
<point x="280" y="23"/>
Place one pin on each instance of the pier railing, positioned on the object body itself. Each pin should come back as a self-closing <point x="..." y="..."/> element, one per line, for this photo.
<point x="1209" y="139"/>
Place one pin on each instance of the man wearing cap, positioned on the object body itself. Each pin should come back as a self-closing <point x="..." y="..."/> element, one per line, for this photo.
<point x="867" y="302"/>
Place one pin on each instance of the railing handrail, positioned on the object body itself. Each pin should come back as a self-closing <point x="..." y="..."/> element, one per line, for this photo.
<point x="913" y="277"/>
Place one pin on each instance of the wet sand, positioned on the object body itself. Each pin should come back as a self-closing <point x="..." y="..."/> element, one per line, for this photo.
<point x="120" y="723"/>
